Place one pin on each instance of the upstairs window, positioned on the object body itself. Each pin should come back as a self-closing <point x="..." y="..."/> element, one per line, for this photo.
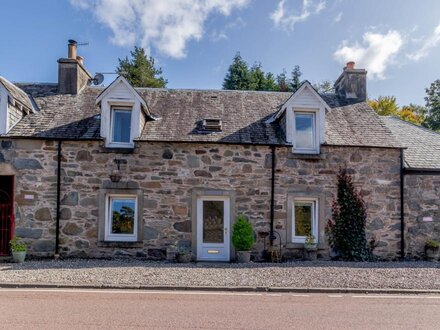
<point x="305" y="135"/>
<point x="121" y="125"/>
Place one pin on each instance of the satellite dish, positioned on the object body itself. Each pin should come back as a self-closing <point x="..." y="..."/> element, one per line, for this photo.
<point x="98" y="79"/>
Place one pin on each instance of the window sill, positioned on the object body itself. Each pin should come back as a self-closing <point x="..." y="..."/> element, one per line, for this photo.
<point x="301" y="246"/>
<point x="109" y="149"/>
<point x="121" y="244"/>
<point x="294" y="155"/>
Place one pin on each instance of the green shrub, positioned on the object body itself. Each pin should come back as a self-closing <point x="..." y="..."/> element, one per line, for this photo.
<point x="347" y="228"/>
<point x="432" y="244"/>
<point x="16" y="245"/>
<point x="242" y="234"/>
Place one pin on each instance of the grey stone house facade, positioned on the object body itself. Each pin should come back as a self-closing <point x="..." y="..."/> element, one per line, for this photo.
<point x="100" y="172"/>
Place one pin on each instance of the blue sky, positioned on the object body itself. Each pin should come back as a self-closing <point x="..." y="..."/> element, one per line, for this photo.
<point x="194" y="41"/>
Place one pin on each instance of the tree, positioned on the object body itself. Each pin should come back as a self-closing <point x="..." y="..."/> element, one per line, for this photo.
<point x="349" y="216"/>
<point x="270" y="83"/>
<point x="140" y="70"/>
<point x="384" y="105"/>
<point x="325" y="86"/>
<point x="295" y="82"/>
<point x="237" y="77"/>
<point x="432" y="99"/>
<point x="410" y="114"/>
<point x="282" y="82"/>
<point x="257" y="79"/>
<point x="240" y="77"/>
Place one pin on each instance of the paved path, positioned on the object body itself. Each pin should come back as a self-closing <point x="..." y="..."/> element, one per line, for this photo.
<point x="107" y="309"/>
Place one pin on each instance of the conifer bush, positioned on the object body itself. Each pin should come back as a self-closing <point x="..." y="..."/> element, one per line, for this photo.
<point x="242" y="234"/>
<point x="346" y="230"/>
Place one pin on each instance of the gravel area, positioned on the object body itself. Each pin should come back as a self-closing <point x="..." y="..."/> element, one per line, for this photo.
<point x="321" y="274"/>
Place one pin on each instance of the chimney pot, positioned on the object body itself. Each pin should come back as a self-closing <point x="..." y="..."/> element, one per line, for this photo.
<point x="71" y="49"/>
<point x="350" y="65"/>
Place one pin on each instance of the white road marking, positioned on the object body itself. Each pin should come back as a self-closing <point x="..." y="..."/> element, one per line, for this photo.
<point x="397" y="297"/>
<point x="131" y="291"/>
<point x="334" y="296"/>
<point x="299" y="295"/>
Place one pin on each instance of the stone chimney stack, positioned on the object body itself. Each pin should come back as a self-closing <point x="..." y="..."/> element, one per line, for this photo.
<point x="352" y="83"/>
<point x="72" y="75"/>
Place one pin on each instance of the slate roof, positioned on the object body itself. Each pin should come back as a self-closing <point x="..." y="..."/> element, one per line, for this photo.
<point x="423" y="145"/>
<point x="243" y="114"/>
<point x="17" y="94"/>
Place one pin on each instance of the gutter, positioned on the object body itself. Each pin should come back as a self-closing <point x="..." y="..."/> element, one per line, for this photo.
<point x="402" y="206"/>
<point x="272" y="236"/>
<point x="57" y="231"/>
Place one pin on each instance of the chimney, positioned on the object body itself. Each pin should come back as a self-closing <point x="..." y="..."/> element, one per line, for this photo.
<point x="352" y="83"/>
<point x="72" y="75"/>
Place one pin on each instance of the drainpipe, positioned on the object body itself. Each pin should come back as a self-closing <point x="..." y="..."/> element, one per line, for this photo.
<point x="57" y="231"/>
<point x="272" y="236"/>
<point x="402" y="206"/>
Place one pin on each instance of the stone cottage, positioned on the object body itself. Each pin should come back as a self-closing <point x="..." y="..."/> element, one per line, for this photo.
<point x="100" y="172"/>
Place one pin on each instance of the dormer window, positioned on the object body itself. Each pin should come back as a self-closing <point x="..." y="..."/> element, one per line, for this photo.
<point x="124" y="113"/>
<point x="121" y="125"/>
<point x="305" y="134"/>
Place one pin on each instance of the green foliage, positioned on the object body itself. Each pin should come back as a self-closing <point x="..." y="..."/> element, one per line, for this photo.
<point x="324" y="86"/>
<point x="242" y="234"/>
<point x="387" y="106"/>
<point x="384" y="105"/>
<point x="432" y="244"/>
<point x="348" y="221"/>
<point x="295" y="82"/>
<point x="16" y="245"/>
<point x="140" y="70"/>
<point x="240" y="77"/>
<point x="433" y="104"/>
<point x="310" y="239"/>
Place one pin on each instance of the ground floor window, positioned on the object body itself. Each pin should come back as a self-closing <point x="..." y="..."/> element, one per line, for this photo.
<point x="304" y="219"/>
<point x="121" y="218"/>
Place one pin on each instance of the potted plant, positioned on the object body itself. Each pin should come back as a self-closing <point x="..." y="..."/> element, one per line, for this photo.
<point x="243" y="239"/>
<point x="18" y="249"/>
<point x="184" y="254"/>
<point x="432" y="249"/>
<point x="310" y="248"/>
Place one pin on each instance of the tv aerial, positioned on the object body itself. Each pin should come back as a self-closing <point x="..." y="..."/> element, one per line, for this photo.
<point x="98" y="79"/>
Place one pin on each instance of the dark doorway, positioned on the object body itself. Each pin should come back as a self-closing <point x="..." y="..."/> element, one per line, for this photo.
<point x="6" y="213"/>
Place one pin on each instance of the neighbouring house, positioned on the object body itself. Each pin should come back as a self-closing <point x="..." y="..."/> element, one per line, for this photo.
<point x="98" y="172"/>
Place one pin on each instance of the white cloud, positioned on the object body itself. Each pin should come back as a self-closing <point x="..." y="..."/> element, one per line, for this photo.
<point x="165" y="25"/>
<point x="427" y="44"/>
<point x="286" y="17"/>
<point x="375" y="54"/>
<point x="337" y="18"/>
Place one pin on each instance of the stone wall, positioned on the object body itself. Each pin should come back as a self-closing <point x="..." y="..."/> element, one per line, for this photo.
<point x="168" y="172"/>
<point x="422" y="212"/>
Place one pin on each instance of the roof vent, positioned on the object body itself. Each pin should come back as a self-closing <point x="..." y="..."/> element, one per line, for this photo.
<point x="212" y="125"/>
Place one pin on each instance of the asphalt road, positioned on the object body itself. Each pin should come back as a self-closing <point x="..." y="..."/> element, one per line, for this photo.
<point x="110" y="309"/>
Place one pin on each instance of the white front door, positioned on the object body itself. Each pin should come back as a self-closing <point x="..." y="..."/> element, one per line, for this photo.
<point x="213" y="220"/>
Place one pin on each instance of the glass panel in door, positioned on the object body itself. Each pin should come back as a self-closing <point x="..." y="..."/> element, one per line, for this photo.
<point x="213" y="221"/>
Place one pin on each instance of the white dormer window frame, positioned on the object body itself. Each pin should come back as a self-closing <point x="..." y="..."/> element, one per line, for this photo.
<point x="120" y="107"/>
<point x="304" y="101"/>
<point x="315" y="145"/>
<point x="121" y="96"/>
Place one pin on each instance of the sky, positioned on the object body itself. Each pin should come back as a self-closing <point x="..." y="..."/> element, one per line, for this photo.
<point x="194" y="41"/>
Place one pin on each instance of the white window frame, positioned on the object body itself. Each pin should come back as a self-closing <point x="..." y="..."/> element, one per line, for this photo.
<point x="109" y="236"/>
<point x="315" y="148"/>
<point x="315" y="218"/>
<point x="113" y="109"/>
